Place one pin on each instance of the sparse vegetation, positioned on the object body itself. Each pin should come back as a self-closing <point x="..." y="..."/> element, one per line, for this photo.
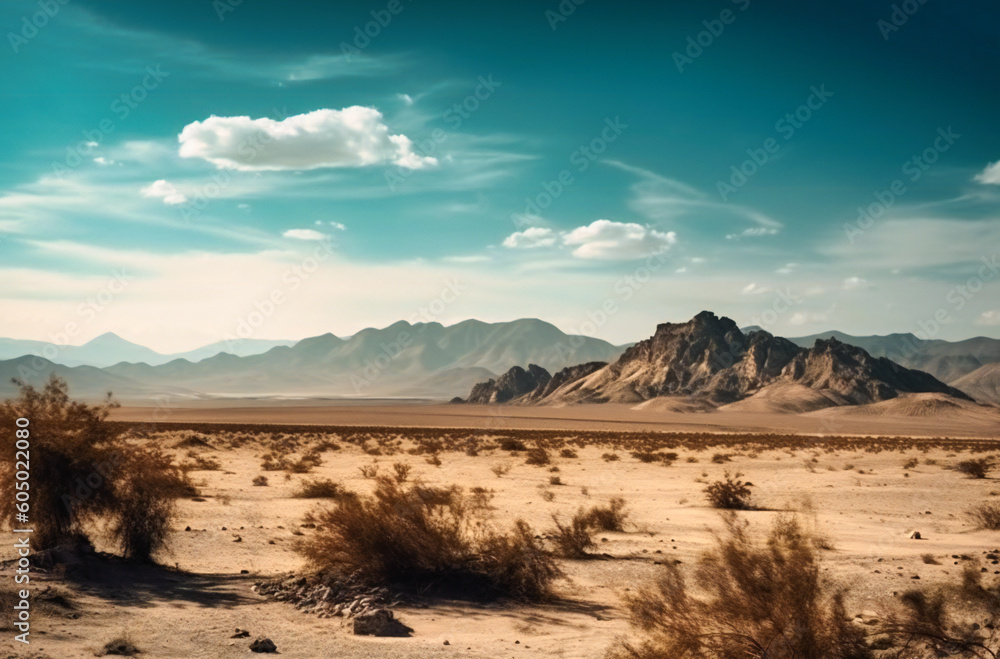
<point x="91" y="474"/>
<point x="730" y="493"/>
<point x="573" y="539"/>
<point x="427" y="538"/>
<point x="761" y="600"/>
<point x="986" y="516"/>
<point x="976" y="467"/>
<point x="321" y="488"/>
<point x="611" y="517"/>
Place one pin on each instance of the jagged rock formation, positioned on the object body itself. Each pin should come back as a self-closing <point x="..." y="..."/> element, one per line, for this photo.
<point x="710" y="359"/>
<point x="513" y="384"/>
<point x="859" y="377"/>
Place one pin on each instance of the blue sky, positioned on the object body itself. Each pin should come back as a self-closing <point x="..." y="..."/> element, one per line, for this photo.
<point x="178" y="172"/>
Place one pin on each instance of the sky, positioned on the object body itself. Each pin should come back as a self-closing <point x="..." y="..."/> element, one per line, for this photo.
<point x="182" y="172"/>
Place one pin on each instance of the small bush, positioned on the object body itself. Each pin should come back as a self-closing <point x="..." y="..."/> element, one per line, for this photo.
<point x="322" y="488"/>
<point x="402" y="472"/>
<point x="537" y="457"/>
<point x="555" y="480"/>
<point x="719" y="458"/>
<point x="567" y="453"/>
<point x="610" y="457"/>
<point x="260" y="481"/>
<point x="731" y="493"/>
<point x="500" y="470"/>
<point x="611" y="517"/>
<point x="121" y="646"/>
<point x="427" y="538"/>
<point x="975" y="468"/>
<point x="760" y="600"/>
<point x="986" y="516"/>
<point x="912" y="463"/>
<point x="572" y="540"/>
<point x="511" y="444"/>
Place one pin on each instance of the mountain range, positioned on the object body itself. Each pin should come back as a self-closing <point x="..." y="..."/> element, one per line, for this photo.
<point x="109" y="349"/>
<point x="429" y="360"/>
<point x="426" y="360"/>
<point x="709" y="362"/>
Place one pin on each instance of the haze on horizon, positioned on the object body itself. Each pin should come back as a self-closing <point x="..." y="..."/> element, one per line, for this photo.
<point x="173" y="171"/>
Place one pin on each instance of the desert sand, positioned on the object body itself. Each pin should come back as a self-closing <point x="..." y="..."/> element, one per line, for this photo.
<point x="863" y="501"/>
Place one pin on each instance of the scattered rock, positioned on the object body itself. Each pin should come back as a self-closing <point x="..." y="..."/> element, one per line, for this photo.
<point x="915" y="536"/>
<point x="380" y="622"/>
<point x="263" y="645"/>
<point x="240" y="633"/>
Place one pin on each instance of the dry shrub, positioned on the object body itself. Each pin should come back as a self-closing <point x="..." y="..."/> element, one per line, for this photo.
<point x="83" y="470"/>
<point x="986" y="516"/>
<point x="401" y="472"/>
<point x="758" y="600"/>
<point x="260" y="481"/>
<point x="611" y="517"/>
<point x="572" y="540"/>
<point x="538" y="457"/>
<point x="120" y="646"/>
<point x="567" y="453"/>
<point x="976" y="467"/>
<point x="610" y="457"/>
<point x="501" y="469"/>
<point x="954" y="620"/>
<point x="730" y="493"/>
<point x="321" y="488"/>
<point x="428" y="538"/>
<point x="512" y="444"/>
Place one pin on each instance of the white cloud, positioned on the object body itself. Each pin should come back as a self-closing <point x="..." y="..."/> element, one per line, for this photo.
<point x="338" y="226"/>
<point x="856" y="283"/>
<point x="990" y="175"/>
<point x="353" y="137"/>
<point x="989" y="318"/>
<point x="787" y="269"/>
<point x="607" y="240"/>
<point x="164" y="190"/>
<point x="405" y="98"/>
<point x="101" y="160"/>
<point x="531" y="238"/>
<point x="304" y="234"/>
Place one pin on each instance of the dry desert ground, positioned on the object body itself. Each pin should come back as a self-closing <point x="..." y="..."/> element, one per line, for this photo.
<point x="862" y="484"/>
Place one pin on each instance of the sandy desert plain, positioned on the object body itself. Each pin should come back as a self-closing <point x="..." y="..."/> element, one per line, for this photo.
<point x="862" y="484"/>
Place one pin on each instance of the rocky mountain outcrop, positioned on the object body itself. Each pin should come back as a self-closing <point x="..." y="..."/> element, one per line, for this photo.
<point x="859" y="377"/>
<point x="710" y="359"/>
<point x="513" y="384"/>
